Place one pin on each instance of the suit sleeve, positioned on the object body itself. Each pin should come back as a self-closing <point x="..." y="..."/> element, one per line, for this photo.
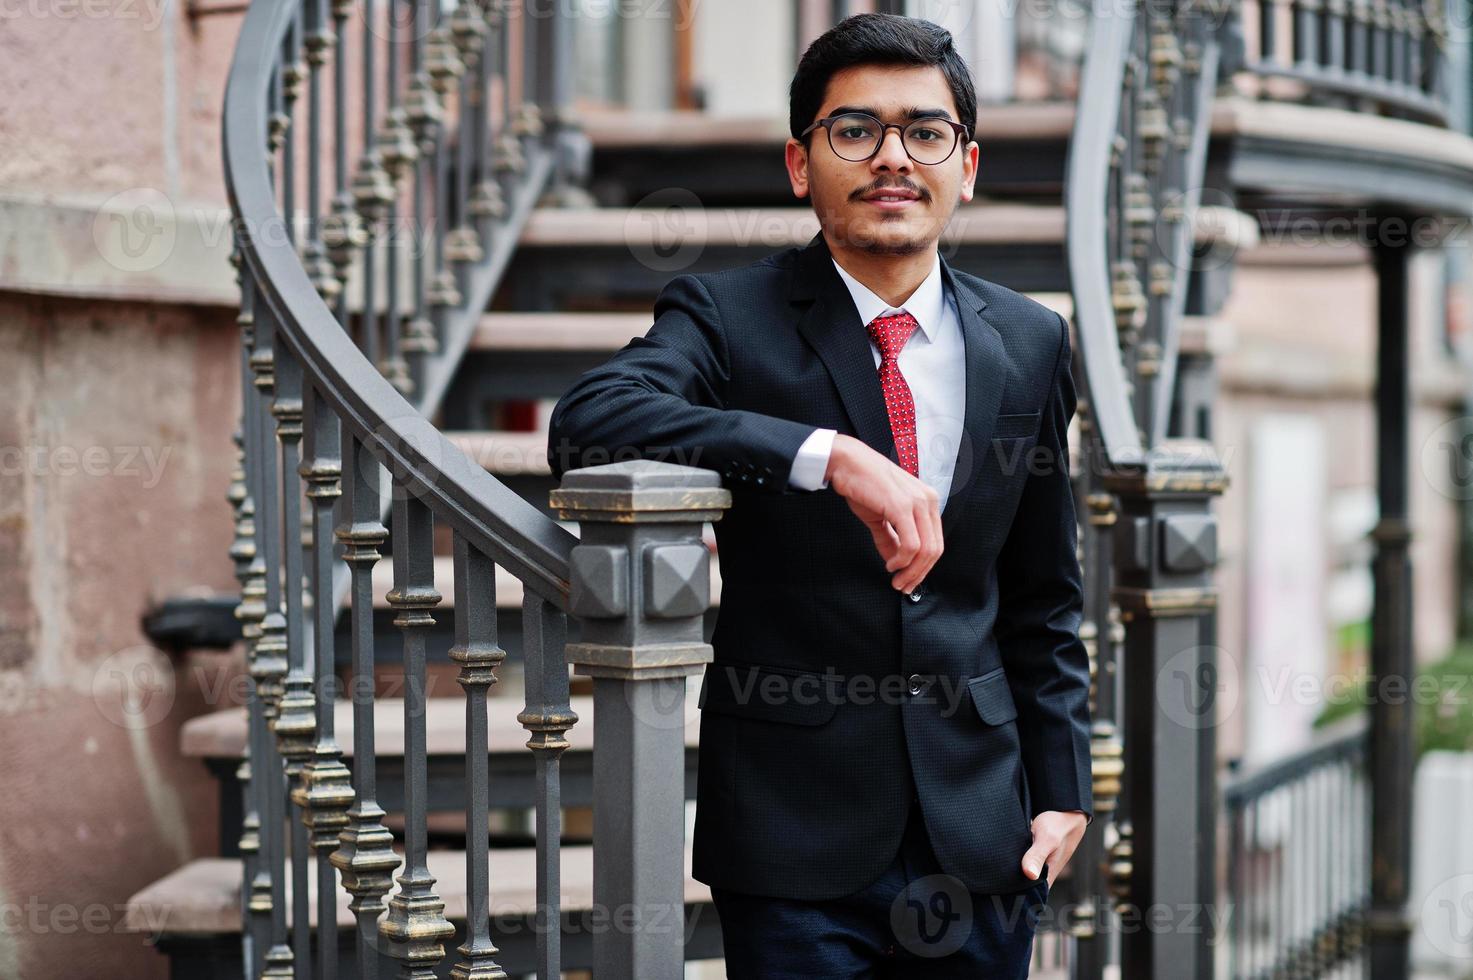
<point x="663" y="396"/>
<point x="1040" y="606"/>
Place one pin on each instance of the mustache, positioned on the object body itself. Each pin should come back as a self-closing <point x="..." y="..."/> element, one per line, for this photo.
<point x="904" y="185"/>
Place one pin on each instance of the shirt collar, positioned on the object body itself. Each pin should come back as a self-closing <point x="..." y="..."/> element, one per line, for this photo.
<point x="925" y="304"/>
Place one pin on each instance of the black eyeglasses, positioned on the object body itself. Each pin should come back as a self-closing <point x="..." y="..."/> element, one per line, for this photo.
<point x="857" y="136"/>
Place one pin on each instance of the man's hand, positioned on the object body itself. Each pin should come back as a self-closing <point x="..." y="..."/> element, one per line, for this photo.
<point x="902" y="512"/>
<point x="1056" y="833"/>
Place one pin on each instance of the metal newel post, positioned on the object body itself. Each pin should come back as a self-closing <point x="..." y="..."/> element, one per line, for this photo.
<point x="1165" y="549"/>
<point x="640" y="586"/>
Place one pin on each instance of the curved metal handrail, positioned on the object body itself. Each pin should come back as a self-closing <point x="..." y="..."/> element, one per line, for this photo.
<point x="526" y="542"/>
<point x="1087" y="224"/>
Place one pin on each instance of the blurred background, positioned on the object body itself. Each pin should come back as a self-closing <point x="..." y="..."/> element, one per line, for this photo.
<point x="1254" y="214"/>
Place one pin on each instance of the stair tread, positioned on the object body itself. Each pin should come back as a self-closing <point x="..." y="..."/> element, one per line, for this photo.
<point x="558" y="331"/>
<point x="664" y="128"/>
<point x="222" y="734"/>
<point x="770" y="228"/>
<point x="998" y="224"/>
<point x="607" y="332"/>
<point x="203" y="896"/>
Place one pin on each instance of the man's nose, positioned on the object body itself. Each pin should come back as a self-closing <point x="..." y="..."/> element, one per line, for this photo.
<point x="891" y="155"/>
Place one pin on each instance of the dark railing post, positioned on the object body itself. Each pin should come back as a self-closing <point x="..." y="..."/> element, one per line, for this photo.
<point x="1392" y="752"/>
<point x="640" y="586"/>
<point x="1165" y="549"/>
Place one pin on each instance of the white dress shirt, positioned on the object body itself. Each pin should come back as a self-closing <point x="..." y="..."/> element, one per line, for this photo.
<point x="934" y="364"/>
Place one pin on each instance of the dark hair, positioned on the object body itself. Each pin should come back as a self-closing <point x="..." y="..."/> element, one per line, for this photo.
<point x="878" y="39"/>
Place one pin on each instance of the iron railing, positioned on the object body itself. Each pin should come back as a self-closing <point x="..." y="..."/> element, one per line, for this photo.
<point x="1383" y="56"/>
<point x="1298" y="884"/>
<point x="354" y="313"/>
<point x="1135" y="168"/>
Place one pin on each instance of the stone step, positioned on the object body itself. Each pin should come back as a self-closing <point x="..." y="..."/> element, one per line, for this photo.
<point x="222" y="734"/>
<point x="218" y="740"/>
<point x="625" y="256"/>
<point x="739" y="159"/>
<point x="193" y="915"/>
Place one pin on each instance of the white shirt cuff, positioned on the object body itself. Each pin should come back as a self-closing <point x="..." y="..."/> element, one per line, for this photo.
<point x="812" y="461"/>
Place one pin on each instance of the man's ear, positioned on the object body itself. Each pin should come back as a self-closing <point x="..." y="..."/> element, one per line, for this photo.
<point x="970" y="156"/>
<point x="795" y="155"/>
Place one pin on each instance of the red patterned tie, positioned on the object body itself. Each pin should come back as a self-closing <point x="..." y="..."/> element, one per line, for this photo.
<point x="890" y="334"/>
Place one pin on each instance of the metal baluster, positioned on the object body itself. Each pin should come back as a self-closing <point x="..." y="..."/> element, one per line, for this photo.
<point x="270" y="666"/>
<point x="1236" y="892"/>
<point x="1268" y="31"/>
<point x="256" y="890"/>
<point x="1306" y="51"/>
<point x="372" y="190"/>
<point x="548" y="715"/>
<point x="319" y="42"/>
<point x="342" y="232"/>
<point x="1332" y="47"/>
<point x="510" y="160"/>
<point x="467" y="31"/>
<point x="487" y="203"/>
<point x="529" y="123"/>
<point x="1380" y="41"/>
<point x="1398" y="33"/>
<point x="416" y="926"/>
<point x="555" y="98"/>
<point x="242" y="553"/>
<point x="366" y="856"/>
<point x="399" y="152"/>
<point x="292" y="75"/>
<point x="296" y="719"/>
<point x="325" y="792"/>
<point x="443" y="64"/>
<point x="1359" y="43"/>
<point x="478" y="654"/>
<point x="424" y="112"/>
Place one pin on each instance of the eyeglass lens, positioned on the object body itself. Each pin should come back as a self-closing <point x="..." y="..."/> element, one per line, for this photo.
<point x="855" y="137"/>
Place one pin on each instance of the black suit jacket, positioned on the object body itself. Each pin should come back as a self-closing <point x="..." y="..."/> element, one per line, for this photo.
<point x="812" y="742"/>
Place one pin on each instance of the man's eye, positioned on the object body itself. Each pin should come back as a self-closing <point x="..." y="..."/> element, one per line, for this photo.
<point x="925" y="135"/>
<point x="854" y="133"/>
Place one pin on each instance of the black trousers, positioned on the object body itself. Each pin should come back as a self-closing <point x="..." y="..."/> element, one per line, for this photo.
<point x="912" y="921"/>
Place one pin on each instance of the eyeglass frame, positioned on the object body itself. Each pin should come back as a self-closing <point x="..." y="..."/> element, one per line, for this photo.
<point x="959" y="131"/>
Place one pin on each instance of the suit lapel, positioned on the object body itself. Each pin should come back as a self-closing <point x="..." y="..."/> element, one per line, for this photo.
<point x="987" y="374"/>
<point x="831" y="325"/>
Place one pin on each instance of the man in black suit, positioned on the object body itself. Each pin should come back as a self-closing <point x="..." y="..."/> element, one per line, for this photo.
<point x="894" y="746"/>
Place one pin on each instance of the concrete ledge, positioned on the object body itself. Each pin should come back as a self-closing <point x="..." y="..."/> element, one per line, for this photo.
<point x="136" y="246"/>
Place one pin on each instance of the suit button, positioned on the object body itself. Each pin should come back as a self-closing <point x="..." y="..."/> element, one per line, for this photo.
<point x="917" y="683"/>
<point x="918" y="594"/>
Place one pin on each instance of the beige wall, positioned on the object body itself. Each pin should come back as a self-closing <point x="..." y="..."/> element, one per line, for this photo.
<point x="115" y="429"/>
<point x="1305" y="345"/>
